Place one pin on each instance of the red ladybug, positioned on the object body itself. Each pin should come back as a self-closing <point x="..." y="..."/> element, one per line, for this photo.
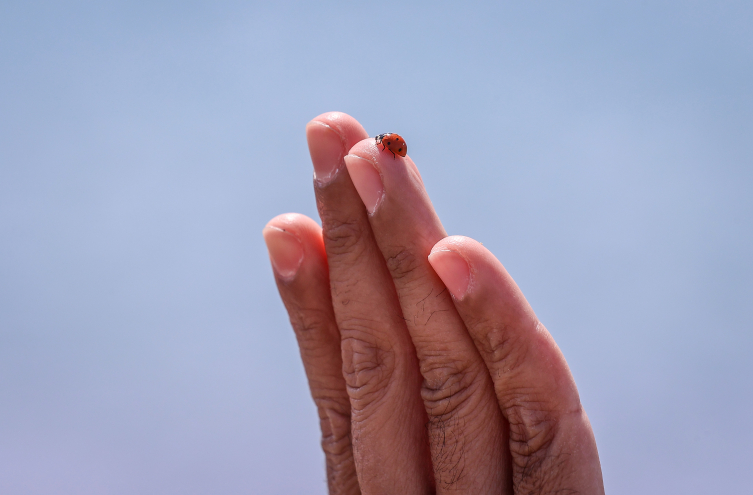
<point x="393" y="143"/>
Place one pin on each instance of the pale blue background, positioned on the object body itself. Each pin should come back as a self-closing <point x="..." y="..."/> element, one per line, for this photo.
<point x="603" y="150"/>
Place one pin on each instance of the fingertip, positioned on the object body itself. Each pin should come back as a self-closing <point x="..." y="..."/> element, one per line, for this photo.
<point x="289" y="237"/>
<point x="477" y="255"/>
<point x="285" y="251"/>
<point x="453" y="242"/>
<point x="295" y="222"/>
<point x="488" y="275"/>
<point x="326" y="147"/>
<point x="329" y="137"/>
<point x="366" y="149"/>
<point x="398" y="174"/>
<point x="366" y="179"/>
<point x="340" y="121"/>
<point x="449" y="258"/>
<point x="453" y="269"/>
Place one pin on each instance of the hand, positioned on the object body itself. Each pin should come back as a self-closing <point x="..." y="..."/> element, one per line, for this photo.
<point x="430" y="371"/>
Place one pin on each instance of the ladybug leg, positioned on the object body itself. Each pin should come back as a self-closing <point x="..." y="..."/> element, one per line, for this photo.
<point x="393" y="154"/>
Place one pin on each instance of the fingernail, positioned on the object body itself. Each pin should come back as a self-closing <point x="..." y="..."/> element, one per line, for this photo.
<point x="453" y="270"/>
<point x="326" y="149"/>
<point x="367" y="180"/>
<point x="285" y="251"/>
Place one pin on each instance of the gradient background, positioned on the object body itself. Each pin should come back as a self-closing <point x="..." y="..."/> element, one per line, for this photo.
<point x="603" y="151"/>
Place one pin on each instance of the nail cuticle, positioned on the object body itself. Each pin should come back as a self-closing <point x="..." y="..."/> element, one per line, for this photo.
<point x="325" y="180"/>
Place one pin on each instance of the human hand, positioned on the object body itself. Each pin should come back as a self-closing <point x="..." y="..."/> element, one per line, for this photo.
<point x="429" y="370"/>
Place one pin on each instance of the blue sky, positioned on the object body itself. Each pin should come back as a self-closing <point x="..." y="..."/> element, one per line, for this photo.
<point x="601" y="150"/>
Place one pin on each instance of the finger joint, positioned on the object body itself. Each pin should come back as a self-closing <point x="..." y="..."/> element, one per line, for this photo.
<point x="368" y="364"/>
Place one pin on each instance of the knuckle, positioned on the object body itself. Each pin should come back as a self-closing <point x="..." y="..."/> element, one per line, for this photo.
<point x="447" y="386"/>
<point x="343" y="236"/>
<point x="308" y="320"/>
<point x="335" y="426"/>
<point x="533" y="416"/>
<point x="499" y="346"/>
<point x="402" y="262"/>
<point x="532" y="429"/>
<point x="335" y="448"/>
<point x="311" y="325"/>
<point x="542" y="471"/>
<point x="539" y="463"/>
<point x="368" y="364"/>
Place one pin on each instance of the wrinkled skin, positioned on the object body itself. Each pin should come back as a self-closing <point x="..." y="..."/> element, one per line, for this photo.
<point x="430" y="371"/>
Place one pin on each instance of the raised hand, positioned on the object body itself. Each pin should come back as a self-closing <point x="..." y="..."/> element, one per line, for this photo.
<point x="430" y="371"/>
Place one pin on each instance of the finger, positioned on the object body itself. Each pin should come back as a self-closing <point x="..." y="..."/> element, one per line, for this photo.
<point x="551" y="440"/>
<point x="297" y="255"/>
<point x="466" y="430"/>
<point x="379" y="362"/>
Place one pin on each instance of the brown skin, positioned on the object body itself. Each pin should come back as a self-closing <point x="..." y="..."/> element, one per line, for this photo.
<point x="420" y="389"/>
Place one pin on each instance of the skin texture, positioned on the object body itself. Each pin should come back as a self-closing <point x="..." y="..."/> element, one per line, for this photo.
<point x="430" y="371"/>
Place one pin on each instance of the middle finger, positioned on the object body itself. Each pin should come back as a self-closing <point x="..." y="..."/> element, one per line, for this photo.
<point x="467" y="433"/>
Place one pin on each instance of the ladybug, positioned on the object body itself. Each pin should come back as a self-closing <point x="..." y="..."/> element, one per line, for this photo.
<point x="393" y="143"/>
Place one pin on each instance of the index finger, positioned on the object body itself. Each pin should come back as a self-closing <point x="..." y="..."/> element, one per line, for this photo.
<point x="551" y="440"/>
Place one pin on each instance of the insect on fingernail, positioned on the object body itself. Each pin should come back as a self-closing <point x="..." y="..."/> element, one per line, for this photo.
<point x="394" y="143"/>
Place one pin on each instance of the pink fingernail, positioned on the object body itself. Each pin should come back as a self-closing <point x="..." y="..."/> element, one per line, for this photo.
<point x="326" y="150"/>
<point x="285" y="251"/>
<point x="453" y="270"/>
<point x="367" y="180"/>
